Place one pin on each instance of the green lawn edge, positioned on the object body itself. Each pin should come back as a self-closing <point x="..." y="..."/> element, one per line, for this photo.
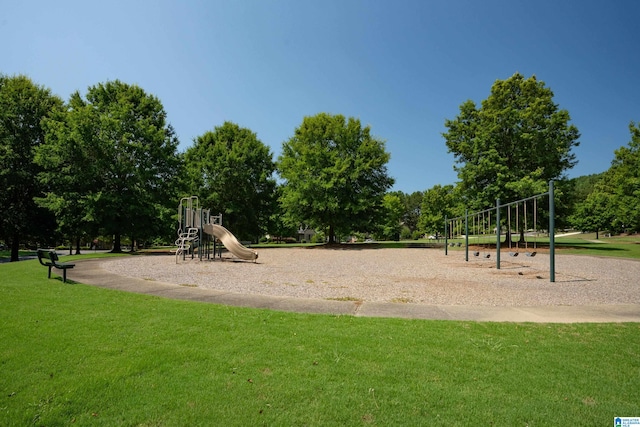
<point x="78" y="354"/>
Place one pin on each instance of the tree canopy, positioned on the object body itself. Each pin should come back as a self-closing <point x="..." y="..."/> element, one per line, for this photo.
<point x="23" y="106"/>
<point x="335" y="175"/>
<point x="438" y="202"/>
<point x="112" y="156"/>
<point x="231" y="171"/>
<point x="595" y="213"/>
<point x="390" y="225"/>
<point x="622" y="183"/>
<point x="513" y="144"/>
<point x="411" y="213"/>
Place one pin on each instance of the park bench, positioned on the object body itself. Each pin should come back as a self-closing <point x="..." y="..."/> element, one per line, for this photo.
<point x="50" y="259"/>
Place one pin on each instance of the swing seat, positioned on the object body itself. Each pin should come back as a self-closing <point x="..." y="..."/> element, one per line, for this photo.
<point x="513" y="253"/>
<point x="476" y="253"/>
<point x="531" y="254"/>
<point x="487" y="255"/>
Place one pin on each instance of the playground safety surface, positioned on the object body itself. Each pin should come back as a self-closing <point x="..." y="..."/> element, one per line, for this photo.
<point x="91" y="272"/>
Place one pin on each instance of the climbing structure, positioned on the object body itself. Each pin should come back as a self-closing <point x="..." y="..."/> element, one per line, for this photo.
<point x="198" y="229"/>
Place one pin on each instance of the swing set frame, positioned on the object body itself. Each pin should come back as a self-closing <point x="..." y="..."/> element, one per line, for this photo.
<point x="524" y="228"/>
<point x="498" y="228"/>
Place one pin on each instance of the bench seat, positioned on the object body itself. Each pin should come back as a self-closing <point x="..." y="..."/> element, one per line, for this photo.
<point x="50" y="259"/>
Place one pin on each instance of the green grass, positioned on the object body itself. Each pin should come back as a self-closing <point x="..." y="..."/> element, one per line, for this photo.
<point x="77" y="354"/>
<point x="7" y="253"/>
<point x="586" y="244"/>
<point x="579" y="244"/>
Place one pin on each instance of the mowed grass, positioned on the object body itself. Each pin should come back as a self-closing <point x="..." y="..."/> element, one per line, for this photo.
<point x="577" y="244"/>
<point x="587" y="244"/>
<point x="81" y="355"/>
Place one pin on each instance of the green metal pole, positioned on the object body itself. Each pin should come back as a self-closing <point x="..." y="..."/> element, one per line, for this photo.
<point x="552" y="235"/>
<point x="446" y="236"/>
<point x="466" y="235"/>
<point x="498" y="234"/>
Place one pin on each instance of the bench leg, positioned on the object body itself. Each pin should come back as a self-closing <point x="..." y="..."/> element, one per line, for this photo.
<point x="64" y="275"/>
<point x="49" y="277"/>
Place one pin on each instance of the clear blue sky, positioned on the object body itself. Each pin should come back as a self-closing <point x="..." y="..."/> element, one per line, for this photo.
<point x="402" y="67"/>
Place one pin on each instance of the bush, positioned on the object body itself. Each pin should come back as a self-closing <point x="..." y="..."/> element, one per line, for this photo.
<point x="318" y="238"/>
<point x="405" y="233"/>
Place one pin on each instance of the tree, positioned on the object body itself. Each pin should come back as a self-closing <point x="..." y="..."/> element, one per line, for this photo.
<point x="335" y="175"/>
<point x="512" y="145"/>
<point x="393" y="210"/>
<point x="232" y="172"/>
<point x="23" y="106"/>
<point x="277" y="225"/>
<point x="622" y="181"/>
<point x="66" y="173"/>
<point x="596" y="213"/>
<point x="411" y="211"/>
<point x="113" y="157"/>
<point x="438" y="202"/>
<point x="582" y="186"/>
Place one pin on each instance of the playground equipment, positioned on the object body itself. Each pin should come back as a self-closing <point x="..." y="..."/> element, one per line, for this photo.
<point x="475" y="229"/>
<point x="480" y="229"/>
<point x="484" y="226"/>
<point x="523" y="227"/>
<point x="189" y="218"/>
<point x="230" y="242"/>
<point x="535" y="229"/>
<point x="198" y="229"/>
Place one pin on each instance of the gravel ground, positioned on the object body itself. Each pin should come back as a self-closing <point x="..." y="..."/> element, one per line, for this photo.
<point x="419" y="276"/>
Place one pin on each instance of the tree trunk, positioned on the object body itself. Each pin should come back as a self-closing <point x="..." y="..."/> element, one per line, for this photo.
<point x="597" y="235"/>
<point x="15" y="248"/>
<point x="507" y="238"/>
<point x="77" y="246"/>
<point x="117" y="247"/>
<point x="332" y="234"/>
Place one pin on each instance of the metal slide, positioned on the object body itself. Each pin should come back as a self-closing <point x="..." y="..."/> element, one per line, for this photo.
<point x="230" y="242"/>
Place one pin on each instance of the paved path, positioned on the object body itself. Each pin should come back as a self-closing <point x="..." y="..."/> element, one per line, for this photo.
<point x="90" y="272"/>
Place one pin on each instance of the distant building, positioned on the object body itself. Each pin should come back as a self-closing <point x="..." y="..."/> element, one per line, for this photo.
<point x="305" y="234"/>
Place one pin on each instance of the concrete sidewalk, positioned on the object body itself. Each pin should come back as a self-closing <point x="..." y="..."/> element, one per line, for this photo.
<point x="90" y="272"/>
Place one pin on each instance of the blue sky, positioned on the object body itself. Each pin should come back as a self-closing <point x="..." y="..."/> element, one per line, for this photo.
<point x="402" y="67"/>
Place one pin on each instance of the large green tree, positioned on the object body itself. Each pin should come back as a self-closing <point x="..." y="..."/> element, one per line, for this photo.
<point x="23" y="106"/>
<point x="67" y="174"/>
<point x="231" y="171"/>
<point x="411" y="212"/>
<point x="439" y="202"/>
<point x="391" y="220"/>
<point x="335" y="175"/>
<point x="584" y="185"/>
<point x="622" y="181"/>
<point x="595" y="213"/>
<point x="111" y="160"/>
<point x="512" y="145"/>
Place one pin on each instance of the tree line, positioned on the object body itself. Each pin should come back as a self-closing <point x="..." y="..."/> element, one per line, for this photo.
<point x="107" y="163"/>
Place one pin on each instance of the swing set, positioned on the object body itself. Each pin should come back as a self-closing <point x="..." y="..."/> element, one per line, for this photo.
<point x="525" y="214"/>
<point x="483" y="228"/>
<point x="523" y="229"/>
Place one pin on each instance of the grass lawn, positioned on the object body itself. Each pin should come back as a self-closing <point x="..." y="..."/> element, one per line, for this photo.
<point x="587" y="244"/>
<point x="578" y="244"/>
<point x="77" y="354"/>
